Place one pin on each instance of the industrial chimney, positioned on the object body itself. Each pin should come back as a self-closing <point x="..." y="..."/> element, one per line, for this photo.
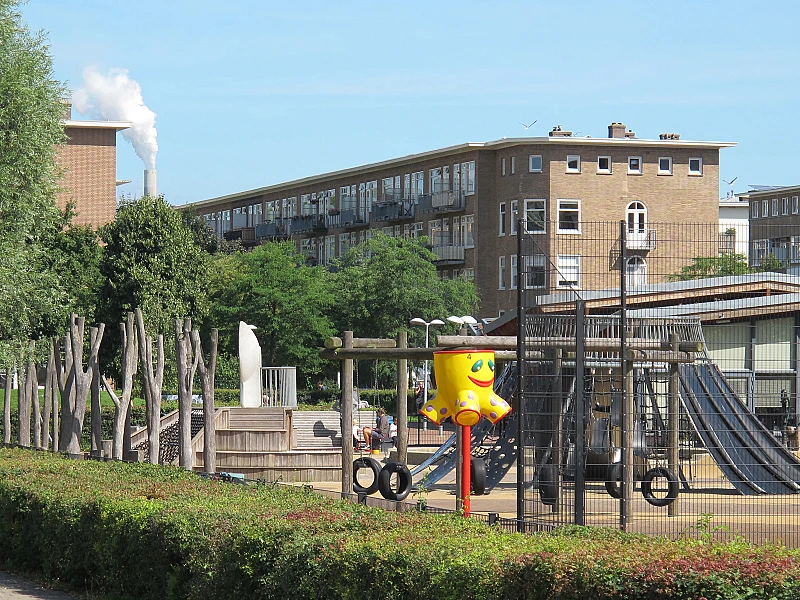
<point x="150" y="183"/>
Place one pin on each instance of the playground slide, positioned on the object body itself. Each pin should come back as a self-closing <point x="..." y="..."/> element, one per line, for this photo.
<point x="746" y="452"/>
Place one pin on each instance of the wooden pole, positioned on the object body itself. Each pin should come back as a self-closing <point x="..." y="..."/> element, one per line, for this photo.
<point x="673" y="421"/>
<point x="402" y="400"/>
<point x="346" y="411"/>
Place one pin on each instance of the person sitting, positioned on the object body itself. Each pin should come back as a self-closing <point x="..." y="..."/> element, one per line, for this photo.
<point x="381" y="429"/>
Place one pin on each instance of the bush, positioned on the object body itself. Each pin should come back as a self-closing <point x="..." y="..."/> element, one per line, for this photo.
<point x="144" y="531"/>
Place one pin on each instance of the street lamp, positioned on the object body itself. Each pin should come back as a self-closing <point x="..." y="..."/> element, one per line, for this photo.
<point x="427" y="324"/>
<point x="462" y="321"/>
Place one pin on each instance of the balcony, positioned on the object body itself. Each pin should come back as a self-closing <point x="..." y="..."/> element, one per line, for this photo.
<point x="641" y="240"/>
<point x="442" y="202"/>
<point x="245" y="234"/>
<point x="271" y="230"/>
<point x="307" y="224"/>
<point x="348" y="217"/>
<point x="393" y="210"/>
<point x="448" y="254"/>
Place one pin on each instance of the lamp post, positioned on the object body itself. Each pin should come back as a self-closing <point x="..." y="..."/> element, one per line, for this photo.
<point x="427" y="324"/>
<point x="462" y="321"/>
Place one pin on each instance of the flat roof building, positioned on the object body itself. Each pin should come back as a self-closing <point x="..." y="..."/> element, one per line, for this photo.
<point x="470" y="200"/>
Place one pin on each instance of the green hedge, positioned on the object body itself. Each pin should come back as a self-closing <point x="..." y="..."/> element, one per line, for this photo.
<point x="148" y="532"/>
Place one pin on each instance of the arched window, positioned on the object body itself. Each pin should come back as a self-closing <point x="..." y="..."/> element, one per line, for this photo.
<point x="637" y="217"/>
<point x="636" y="271"/>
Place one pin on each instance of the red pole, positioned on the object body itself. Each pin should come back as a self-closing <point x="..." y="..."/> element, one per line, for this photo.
<point x="466" y="462"/>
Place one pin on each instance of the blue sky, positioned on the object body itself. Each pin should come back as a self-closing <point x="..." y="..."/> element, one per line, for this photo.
<point x="250" y="93"/>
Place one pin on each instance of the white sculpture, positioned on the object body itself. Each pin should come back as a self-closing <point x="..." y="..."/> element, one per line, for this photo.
<point x="249" y="367"/>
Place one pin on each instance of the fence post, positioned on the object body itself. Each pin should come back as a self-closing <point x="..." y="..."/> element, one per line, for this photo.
<point x="673" y="459"/>
<point x="580" y="413"/>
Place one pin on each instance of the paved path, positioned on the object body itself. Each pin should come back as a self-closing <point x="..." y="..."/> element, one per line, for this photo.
<point x="16" y="588"/>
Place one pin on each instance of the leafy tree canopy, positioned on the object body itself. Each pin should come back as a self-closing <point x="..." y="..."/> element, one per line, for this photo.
<point x="713" y="266"/>
<point x="272" y="288"/>
<point x="383" y="283"/>
<point x="30" y="130"/>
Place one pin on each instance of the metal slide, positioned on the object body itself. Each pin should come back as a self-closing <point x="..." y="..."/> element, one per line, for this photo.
<point x="743" y="448"/>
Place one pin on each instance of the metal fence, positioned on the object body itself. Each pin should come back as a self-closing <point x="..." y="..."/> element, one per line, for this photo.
<point x="658" y="387"/>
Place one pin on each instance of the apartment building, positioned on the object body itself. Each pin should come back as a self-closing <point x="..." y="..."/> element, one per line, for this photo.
<point x="471" y="199"/>
<point x="775" y="226"/>
<point x="89" y="161"/>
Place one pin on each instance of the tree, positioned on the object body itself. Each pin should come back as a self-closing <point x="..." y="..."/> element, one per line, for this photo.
<point x="30" y="130"/>
<point x="713" y="266"/>
<point x="272" y="288"/>
<point x="151" y="261"/>
<point x="384" y="282"/>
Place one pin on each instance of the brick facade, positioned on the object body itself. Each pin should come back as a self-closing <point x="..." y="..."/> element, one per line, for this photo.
<point x="677" y="197"/>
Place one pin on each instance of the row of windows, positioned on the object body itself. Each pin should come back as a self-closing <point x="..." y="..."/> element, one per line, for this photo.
<point x="604" y="165"/>
<point x="775" y="203"/>
<point x="567" y="271"/>
<point x="455" y="231"/>
<point x="568" y="218"/>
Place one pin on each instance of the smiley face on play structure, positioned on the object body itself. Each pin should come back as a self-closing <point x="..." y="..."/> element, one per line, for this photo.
<point x="465" y="388"/>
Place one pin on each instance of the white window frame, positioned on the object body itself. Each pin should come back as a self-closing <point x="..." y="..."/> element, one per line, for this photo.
<point x="533" y="206"/>
<point x="531" y="168"/>
<point x="514" y="206"/>
<point x="785" y="206"/>
<point x="754" y="209"/>
<point x="502" y="167"/>
<point x="696" y="172"/>
<point x="764" y="208"/>
<point x="571" y="210"/>
<point x="513" y="164"/>
<point x="774" y="207"/>
<point x="573" y="158"/>
<point x="601" y="170"/>
<point x="633" y="171"/>
<point x="564" y="268"/>
<point x="501" y="219"/>
<point x="629" y="276"/>
<point x="795" y="207"/>
<point x="513" y="271"/>
<point x="501" y="273"/>
<point x="668" y="170"/>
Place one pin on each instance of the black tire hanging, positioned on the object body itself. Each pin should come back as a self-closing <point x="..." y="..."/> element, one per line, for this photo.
<point x="614" y="480"/>
<point x="374" y="466"/>
<point x="548" y="484"/>
<point x="672" y="486"/>
<point x="403" y="481"/>
<point x="477" y="476"/>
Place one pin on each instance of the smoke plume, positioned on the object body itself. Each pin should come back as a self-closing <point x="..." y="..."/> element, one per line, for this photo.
<point x="117" y="97"/>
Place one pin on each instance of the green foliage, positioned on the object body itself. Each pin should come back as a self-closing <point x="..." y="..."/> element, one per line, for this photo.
<point x="91" y="524"/>
<point x="272" y="288"/>
<point x="30" y="131"/>
<point x="151" y="261"/>
<point x="713" y="266"/>
<point x="771" y="264"/>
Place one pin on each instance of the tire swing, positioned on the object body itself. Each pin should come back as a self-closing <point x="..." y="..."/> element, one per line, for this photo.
<point x="403" y="481"/>
<point x="477" y="476"/>
<point x="614" y="480"/>
<point x="368" y="463"/>
<point x="672" y="486"/>
<point x="548" y="485"/>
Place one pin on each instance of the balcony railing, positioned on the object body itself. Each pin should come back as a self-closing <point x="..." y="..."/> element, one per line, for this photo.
<point x="448" y="253"/>
<point x="347" y="217"/>
<point x="449" y="201"/>
<point x="393" y="210"/>
<point x="307" y="224"/>
<point x="246" y="234"/>
<point x="641" y="240"/>
<point x="275" y="229"/>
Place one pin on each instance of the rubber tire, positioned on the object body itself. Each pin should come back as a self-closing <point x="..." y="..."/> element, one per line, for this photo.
<point x="672" y="486"/>
<point x="614" y="480"/>
<point x="548" y="492"/>
<point x="374" y="466"/>
<point x="403" y="481"/>
<point x="477" y="476"/>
